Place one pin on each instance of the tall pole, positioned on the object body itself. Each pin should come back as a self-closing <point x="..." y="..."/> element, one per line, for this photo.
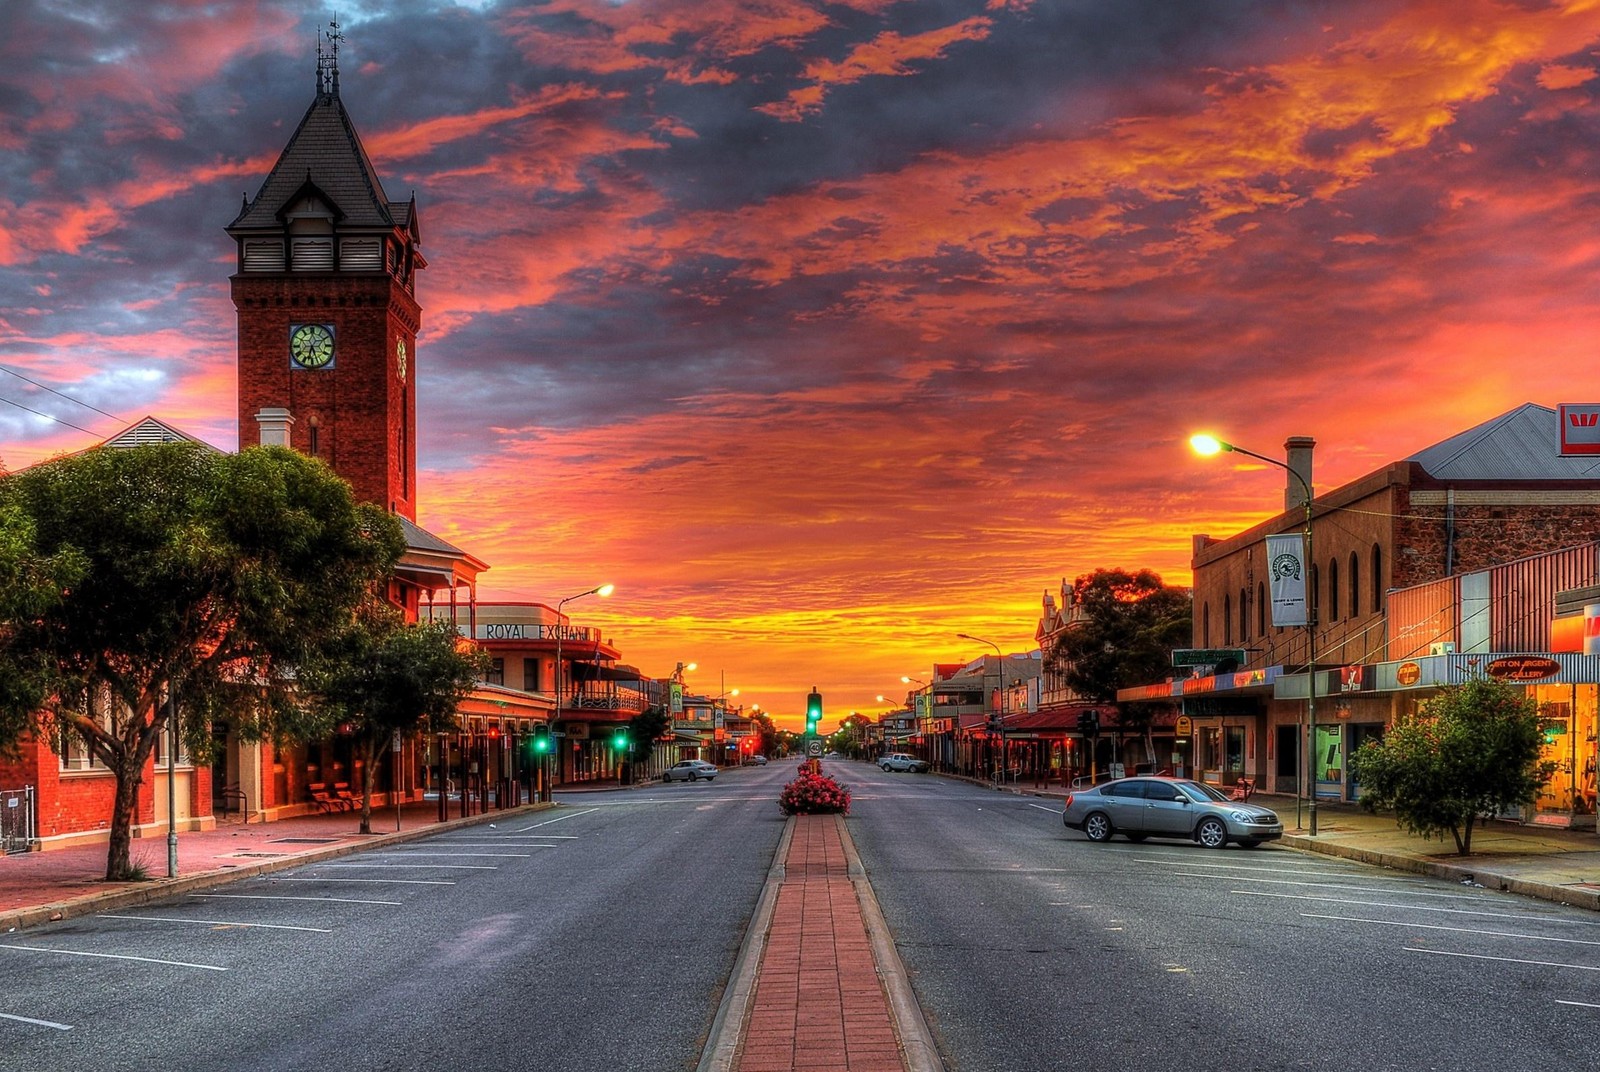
<point x="172" y="783"/>
<point x="1000" y="674"/>
<point x="599" y="590"/>
<point x="1205" y="444"/>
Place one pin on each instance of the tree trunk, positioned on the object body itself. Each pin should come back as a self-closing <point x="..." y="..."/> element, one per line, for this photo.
<point x="369" y="749"/>
<point x="119" y="863"/>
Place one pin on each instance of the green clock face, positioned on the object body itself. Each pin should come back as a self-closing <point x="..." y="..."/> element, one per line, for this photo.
<point x="311" y="345"/>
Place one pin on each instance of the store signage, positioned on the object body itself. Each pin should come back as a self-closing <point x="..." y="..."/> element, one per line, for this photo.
<point x="1207" y="656"/>
<point x="1184" y="727"/>
<point x="1580" y="427"/>
<point x="1408" y="674"/>
<point x="1523" y="668"/>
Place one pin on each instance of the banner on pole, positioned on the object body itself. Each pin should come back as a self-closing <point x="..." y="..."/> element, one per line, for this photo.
<point x="1286" y="560"/>
<point x="675" y="697"/>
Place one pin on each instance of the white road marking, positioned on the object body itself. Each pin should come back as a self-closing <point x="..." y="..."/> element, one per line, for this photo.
<point x="427" y="867"/>
<point x="1579" y="1004"/>
<point x="287" y="897"/>
<point x="467" y="855"/>
<point x="1409" y="892"/>
<point x="218" y="923"/>
<point x="512" y="839"/>
<point x="557" y="819"/>
<point x="113" y="956"/>
<point x="1454" y="930"/>
<point x="1410" y="907"/>
<point x="1041" y="807"/>
<point x="36" y="1023"/>
<point x="390" y="881"/>
<point x="1502" y="960"/>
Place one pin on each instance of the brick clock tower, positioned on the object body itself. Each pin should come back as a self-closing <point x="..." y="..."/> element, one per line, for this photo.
<point x="328" y="314"/>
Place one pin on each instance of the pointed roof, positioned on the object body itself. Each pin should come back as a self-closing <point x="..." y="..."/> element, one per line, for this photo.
<point x="1522" y="444"/>
<point x="325" y="156"/>
<point x="143" y="433"/>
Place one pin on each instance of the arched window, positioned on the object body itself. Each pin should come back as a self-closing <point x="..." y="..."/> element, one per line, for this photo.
<point x="1377" y="579"/>
<point x="1205" y="625"/>
<point x="1313" y="596"/>
<point x="1261" y="608"/>
<point x="1333" y="589"/>
<point x="1355" y="585"/>
<point x="1244" y="615"/>
<point x="1227" y="620"/>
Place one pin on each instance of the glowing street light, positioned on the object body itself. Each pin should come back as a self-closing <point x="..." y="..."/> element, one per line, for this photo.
<point x="1208" y="446"/>
<point x="602" y="591"/>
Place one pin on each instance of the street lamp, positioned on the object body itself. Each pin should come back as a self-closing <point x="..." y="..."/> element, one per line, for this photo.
<point x="1208" y="446"/>
<point x="933" y="753"/>
<point x="602" y="591"/>
<point x="1000" y="662"/>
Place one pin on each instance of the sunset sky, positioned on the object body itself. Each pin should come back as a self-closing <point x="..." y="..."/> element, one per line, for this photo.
<point x="828" y="331"/>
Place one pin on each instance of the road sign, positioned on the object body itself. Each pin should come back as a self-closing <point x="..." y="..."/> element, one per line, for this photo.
<point x="814" y="747"/>
<point x="1184" y="728"/>
<point x="1207" y="656"/>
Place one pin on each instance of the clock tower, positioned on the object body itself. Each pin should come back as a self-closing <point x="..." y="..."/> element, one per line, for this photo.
<point x="327" y="307"/>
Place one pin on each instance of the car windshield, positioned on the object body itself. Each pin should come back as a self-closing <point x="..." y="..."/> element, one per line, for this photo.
<point x="1202" y="792"/>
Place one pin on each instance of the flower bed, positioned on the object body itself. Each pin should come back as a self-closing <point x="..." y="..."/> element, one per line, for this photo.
<point x="814" y="794"/>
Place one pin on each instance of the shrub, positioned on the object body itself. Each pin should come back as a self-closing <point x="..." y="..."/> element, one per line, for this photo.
<point x="814" y="794"/>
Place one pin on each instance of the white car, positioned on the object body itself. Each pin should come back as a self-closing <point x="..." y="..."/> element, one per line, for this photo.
<point x="689" y="770"/>
<point x="902" y="761"/>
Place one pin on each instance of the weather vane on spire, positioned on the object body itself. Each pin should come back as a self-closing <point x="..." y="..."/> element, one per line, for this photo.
<point x="328" y="60"/>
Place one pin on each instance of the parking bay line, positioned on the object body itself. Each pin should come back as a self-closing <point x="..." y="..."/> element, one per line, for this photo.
<point x="464" y="855"/>
<point x="557" y="819"/>
<point x="426" y="867"/>
<point x="388" y="881"/>
<point x="1408" y="907"/>
<point x="1455" y="930"/>
<point x="114" y="956"/>
<point x="36" y="1023"/>
<point x="1409" y="891"/>
<point x="287" y="897"/>
<point x="1502" y="960"/>
<point x="219" y="923"/>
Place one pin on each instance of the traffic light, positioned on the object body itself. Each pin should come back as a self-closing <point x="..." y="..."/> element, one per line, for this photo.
<point x="541" y="740"/>
<point x="619" y="742"/>
<point x="1089" y="723"/>
<point x="813" y="710"/>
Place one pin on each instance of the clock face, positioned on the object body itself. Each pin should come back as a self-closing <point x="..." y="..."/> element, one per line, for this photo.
<point x="311" y="345"/>
<point x="400" y="357"/>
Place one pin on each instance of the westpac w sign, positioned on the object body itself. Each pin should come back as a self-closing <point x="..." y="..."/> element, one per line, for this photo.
<point x="1580" y="427"/>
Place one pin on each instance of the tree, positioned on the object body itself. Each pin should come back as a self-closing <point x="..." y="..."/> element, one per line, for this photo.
<point x="1124" y="635"/>
<point x="30" y="585"/>
<point x="645" y="728"/>
<point x="203" y="581"/>
<point x="1471" y="749"/>
<point x="381" y="676"/>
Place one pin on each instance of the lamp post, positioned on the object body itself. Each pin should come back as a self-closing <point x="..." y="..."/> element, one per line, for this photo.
<point x="1207" y="446"/>
<point x="1000" y="669"/>
<point x="933" y="763"/>
<point x="555" y="712"/>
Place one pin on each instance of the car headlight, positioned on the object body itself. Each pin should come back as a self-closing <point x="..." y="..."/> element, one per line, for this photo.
<point x="1244" y="817"/>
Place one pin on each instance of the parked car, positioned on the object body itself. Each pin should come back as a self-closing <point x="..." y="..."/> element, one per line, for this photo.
<point x="1138" y="808"/>
<point x="689" y="770"/>
<point x="900" y="761"/>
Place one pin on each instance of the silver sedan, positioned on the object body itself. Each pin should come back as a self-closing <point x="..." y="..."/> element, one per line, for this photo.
<point x="1169" y="807"/>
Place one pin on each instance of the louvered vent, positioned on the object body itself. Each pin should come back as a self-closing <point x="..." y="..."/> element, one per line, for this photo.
<point x="313" y="254"/>
<point x="361" y="255"/>
<point x="263" y="256"/>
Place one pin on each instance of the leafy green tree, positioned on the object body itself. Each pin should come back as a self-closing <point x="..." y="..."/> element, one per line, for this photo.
<point x="1128" y="626"/>
<point x="644" y="729"/>
<point x="30" y="585"/>
<point x="380" y="676"/>
<point x="203" y="581"/>
<point x="1471" y="749"/>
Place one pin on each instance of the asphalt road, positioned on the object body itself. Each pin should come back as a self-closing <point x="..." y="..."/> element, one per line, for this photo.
<point x="1031" y="948"/>
<point x="597" y="936"/>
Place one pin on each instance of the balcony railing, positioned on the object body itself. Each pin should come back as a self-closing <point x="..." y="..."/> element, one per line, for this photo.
<point x="601" y="698"/>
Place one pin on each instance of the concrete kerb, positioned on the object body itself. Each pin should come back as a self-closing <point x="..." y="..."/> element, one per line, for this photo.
<point x="916" y="1040"/>
<point x="158" y="889"/>
<point x="733" y="1012"/>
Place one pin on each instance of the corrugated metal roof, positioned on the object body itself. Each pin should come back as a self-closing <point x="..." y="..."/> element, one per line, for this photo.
<point x="326" y="151"/>
<point x="420" y="539"/>
<point x="1523" y="444"/>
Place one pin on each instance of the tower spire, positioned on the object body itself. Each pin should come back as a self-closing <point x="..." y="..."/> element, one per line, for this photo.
<point x="328" y="60"/>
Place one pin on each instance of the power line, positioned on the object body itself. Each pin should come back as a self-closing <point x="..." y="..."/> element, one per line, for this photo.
<point x="47" y="416"/>
<point x="52" y="390"/>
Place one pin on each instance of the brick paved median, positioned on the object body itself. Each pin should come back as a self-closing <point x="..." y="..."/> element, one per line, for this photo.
<point x="819" y="1004"/>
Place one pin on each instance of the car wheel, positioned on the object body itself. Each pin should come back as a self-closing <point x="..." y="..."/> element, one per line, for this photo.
<point x="1097" y="826"/>
<point x="1211" y="833"/>
<point x="693" y="776"/>
<point x="1249" y="843"/>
